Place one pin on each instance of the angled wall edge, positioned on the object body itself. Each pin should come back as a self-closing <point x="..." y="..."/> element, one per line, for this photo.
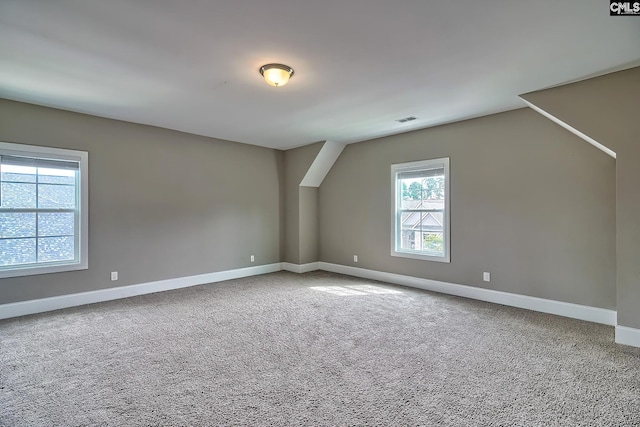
<point x="322" y="164"/>
<point x="570" y="128"/>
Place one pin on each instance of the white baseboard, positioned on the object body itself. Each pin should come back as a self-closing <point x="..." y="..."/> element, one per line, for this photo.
<point x="575" y="311"/>
<point x="628" y="336"/>
<point x="624" y="335"/>
<point x="300" y="268"/>
<point x="64" y="301"/>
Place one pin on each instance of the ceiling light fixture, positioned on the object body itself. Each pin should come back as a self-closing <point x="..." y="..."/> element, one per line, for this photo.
<point x="276" y="74"/>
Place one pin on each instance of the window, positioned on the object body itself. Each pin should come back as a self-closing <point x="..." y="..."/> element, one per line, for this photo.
<point x="420" y="210"/>
<point x="43" y="210"/>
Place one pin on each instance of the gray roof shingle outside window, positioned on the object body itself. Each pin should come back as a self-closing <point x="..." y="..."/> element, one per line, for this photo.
<point x="18" y="229"/>
<point x="431" y="221"/>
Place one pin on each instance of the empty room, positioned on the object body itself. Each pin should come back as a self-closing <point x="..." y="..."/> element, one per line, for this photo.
<point x="330" y="213"/>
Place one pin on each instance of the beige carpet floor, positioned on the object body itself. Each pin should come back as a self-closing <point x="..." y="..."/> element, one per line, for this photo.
<point x="317" y="349"/>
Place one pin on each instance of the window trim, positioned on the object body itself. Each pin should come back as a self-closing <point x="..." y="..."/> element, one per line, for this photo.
<point x="395" y="211"/>
<point x="82" y="194"/>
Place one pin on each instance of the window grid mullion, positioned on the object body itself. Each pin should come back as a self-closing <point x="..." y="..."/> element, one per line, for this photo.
<point x="37" y="213"/>
<point x="46" y="183"/>
<point x="421" y="231"/>
<point x="422" y="210"/>
<point x="33" y="237"/>
<point x="32" y="210"/>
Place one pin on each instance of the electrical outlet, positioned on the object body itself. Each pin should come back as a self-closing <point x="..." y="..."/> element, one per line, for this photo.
<point x="355" y="258"/>
<point x="486" y="276"/>
<point x="114" y="275"/>
<point x="253" y="258"/>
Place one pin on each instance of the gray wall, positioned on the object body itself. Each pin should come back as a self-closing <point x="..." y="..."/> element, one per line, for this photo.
<point x="162" y="204"/>
<point x="296" y="164"/>
<point x="530" y="203"/>
<point x="309" y="227"/>
<point x="607" y="109"/>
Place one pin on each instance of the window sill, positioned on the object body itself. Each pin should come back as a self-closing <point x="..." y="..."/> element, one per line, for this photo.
<point x="423" y="257"/>
<point x="32" y="271"/>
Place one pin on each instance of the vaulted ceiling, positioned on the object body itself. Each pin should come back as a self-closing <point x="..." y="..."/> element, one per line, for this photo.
<point x="192" y="65"/>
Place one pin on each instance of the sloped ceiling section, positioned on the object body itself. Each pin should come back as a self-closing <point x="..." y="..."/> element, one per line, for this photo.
<point x="322" y="164"/>
<point x="360" y="65"/>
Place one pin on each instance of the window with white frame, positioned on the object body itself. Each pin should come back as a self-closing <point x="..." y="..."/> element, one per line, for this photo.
<point x="43" y="210"/>
<point x="420" y="210"/>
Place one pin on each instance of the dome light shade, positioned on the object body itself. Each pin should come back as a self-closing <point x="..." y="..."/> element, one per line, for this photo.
<point x="276" y="74"/>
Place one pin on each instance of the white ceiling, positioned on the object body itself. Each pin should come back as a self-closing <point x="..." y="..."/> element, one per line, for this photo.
<point x="192" y="65"/>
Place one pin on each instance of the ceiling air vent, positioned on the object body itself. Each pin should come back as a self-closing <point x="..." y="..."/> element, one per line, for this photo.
<point x="406" y="119"/>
